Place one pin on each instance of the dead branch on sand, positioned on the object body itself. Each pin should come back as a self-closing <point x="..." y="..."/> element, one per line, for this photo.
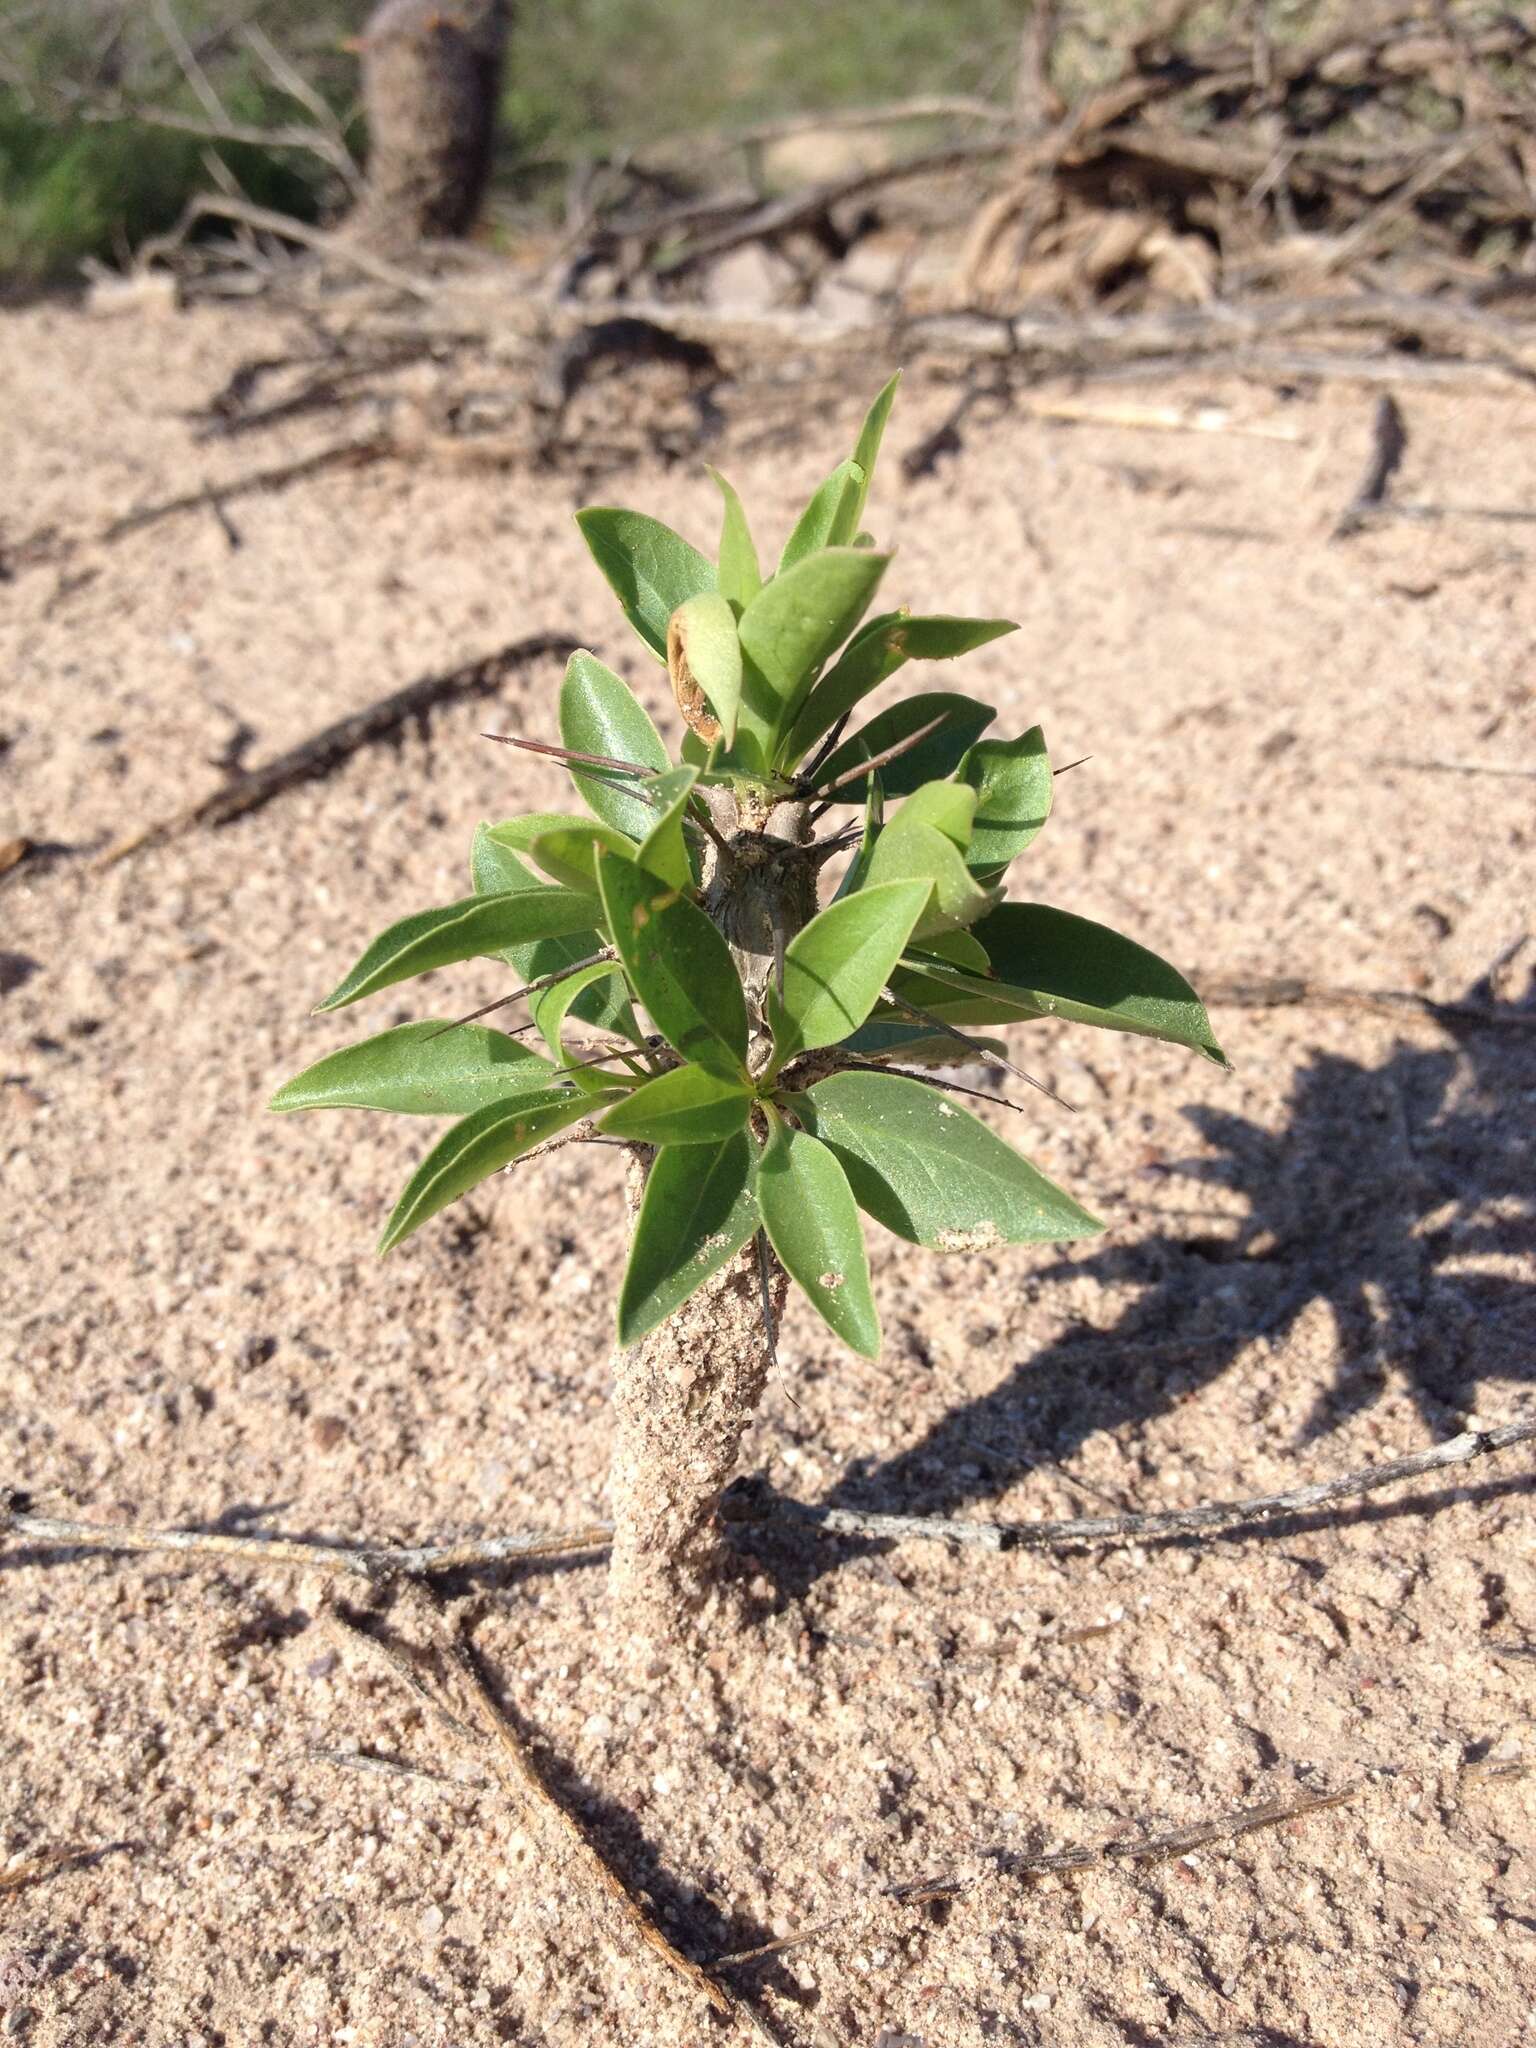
<point x="325" y="751"/>
<point x="747" y="1502"/>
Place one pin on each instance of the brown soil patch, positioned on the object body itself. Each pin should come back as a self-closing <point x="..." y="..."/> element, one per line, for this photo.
<point x="1323" y="1259"/>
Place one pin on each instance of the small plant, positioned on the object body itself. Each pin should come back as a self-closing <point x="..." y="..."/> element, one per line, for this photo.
<point x="767" y="1060"/>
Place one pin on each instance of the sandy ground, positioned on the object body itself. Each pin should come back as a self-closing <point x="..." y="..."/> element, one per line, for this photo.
<point x="1320" y="1260"/>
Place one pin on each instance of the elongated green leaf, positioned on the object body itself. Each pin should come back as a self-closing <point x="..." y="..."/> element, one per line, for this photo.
<point x="688" y="1106"/>
<point x="550" y="1008"/>
<point x="704" y="656"/>
<point x="949" y="807"/>
<point x="479" y="1146"/>
<point x="932" y="1172"/>
<point x="793" y="624"/>
<point x="651" y="569"/>
<point x="874" y="655"/>
<point x="462" y="931"/>
<point x="888" y="1035"/>
<point x="519" y="836"/>
<point x="956" y="949"/>
<point x="867" y="452"/>
<point x="825" y="522"/>
<point x="1068" y="966"/>
<point x="664" y="850"/>
<point x="567" y="851"/>
<point x="1013" y="784"/>
<point x="916" y="851"/>
<point x="678" y="965"/>
<point x="836" y="967"/>
<point x="739" y="574"/>
<point x="419" y="1070"/>
<point x="698" y="1210"/>
<point x="874" y="819"/>
<point x="600" y="714"/>
<point x="495" y="870"/>
<point x="931" y="759"/>
<point x="813" y="1224"/>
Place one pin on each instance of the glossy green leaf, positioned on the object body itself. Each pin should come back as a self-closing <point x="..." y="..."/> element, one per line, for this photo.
<point x="698" y="1210"/>
<point x="664" y="850"/>
<point x="476" y="1148"/>
<point x="1013" y="784"/>
<point x="913" y="851"/>
<point x="933" y="1173"/>
<point x="836" y="967"/>
<point x="740" y="578"/>
<point x="957" y="949"/>
<point x="792" y="626"/>
<point x="566" y="850"/>
<point x="826" y="521"/>
<point x="873" y="656"/>
<point x="600" y="714"/>
<point x="419" y="1070"/>
<point x="462" y="931"/>
<point x="889" y="1035"/>
<point x="931" y="759"/>
<point x="552" y="1006"/>
<point x="678" y="965"/>
<point x="688" y="1106"/>
<point x="867" y="451"/>
<point x="857" y="871"/>
<point x="495" y="869"/>
<point x="1068" y="966"/>
<point x="949" y="807"/>
<point x="813" y="1224"/>
<point x="703" y="651"/>
<point x="651" y="569"/>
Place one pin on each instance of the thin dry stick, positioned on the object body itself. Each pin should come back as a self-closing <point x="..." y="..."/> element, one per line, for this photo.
<point x="498" y="1742"/>
<point x="1155" y="1527"/>
<point x="326" y="750"/>
<point x="1147" y="1849"/>
<point x="1458" y="767"/>
<point x="424" y="1560"/>
<point x="47" y="1863"/>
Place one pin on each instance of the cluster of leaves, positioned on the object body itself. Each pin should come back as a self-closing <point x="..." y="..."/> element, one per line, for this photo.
<point x="777" y="1115"/>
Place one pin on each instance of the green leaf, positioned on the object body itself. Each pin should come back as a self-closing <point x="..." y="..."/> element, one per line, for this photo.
<point x="678" y="965"/>
<point x="697" y="1212"/>
<point x="857" y="872"/>
<point x="740" y="577"/>
<point x="462" y="931"/>
<point x="793" y="624"/>
<point x="496" y="870"/>
<point x="911" y="850"/>
<point x="704" y="654"/>
<point x="1013" y="784"/>
<point x="867" y="451"/>
<point x="888" y="1035"/>
<point x="825" y="522"/>
<point x="949" y="807"/>
<point x="651" y="569"/>
<point x="965" y="720"/>
<point x="836" y="967"/>
<point x="813" y="1224"/>
<point x="688" y="1106"/>
<point x="418" y="1070"/>
<point x="873" y="656"/>
<point x="481" y="1145"/>
<point x="567" y="849"/>
<point x="664" y="850"/>
<point x="932" y="1172"/>
<point x="550" y="1008"/>
<point x="1066" y="966"/>
<point x="600" y="714"/>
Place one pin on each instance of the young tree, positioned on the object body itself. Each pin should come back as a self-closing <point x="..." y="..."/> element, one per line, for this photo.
<point x="772" y="1062"/>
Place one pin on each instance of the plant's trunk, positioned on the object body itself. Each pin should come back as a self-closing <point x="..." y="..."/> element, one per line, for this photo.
<point x="682" y="1399"/>
<point x="684" y="1395"/>
<point x="431" y="83"/>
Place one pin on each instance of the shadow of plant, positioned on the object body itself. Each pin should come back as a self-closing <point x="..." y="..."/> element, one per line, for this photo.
<point x="1398" y="1196"/>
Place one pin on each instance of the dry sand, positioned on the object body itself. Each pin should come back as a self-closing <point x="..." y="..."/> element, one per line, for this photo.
<point x="1324" y="1258"/>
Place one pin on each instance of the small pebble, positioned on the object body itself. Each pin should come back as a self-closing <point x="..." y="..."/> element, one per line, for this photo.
<point x="432" y="1921"/>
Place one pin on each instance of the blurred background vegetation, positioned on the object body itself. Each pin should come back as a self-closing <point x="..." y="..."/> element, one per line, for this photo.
<point x="586" y="78"/>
